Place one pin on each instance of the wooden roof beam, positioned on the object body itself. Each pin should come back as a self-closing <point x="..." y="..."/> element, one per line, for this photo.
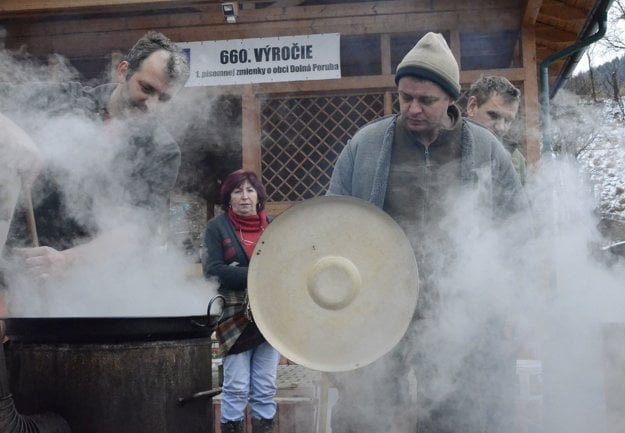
<point x="72" y="38"/>
<point x="560" y="10"/>
<point x="287" y="3"/>
<point x="532" y="8"/>
<point x="283" y="9"/>
<point x="551" y="34"/>
<point x="31" y="7"/>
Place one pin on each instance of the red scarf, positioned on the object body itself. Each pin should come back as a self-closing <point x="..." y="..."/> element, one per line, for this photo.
<point x="248" y="228"/>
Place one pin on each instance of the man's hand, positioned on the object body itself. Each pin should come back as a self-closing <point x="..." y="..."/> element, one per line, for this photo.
<point x="43" y="262"/>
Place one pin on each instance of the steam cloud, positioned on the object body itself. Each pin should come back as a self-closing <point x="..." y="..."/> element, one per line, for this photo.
<point x="552" y="284"/>
<point x="141" y="276"/>
<point x="555" y="286"/>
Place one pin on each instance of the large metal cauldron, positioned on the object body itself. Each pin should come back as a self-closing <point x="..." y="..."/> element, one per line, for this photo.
<point x="113" y="375"/>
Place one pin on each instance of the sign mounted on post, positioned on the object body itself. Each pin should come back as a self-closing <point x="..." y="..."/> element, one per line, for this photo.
<point x="264" y="60"/>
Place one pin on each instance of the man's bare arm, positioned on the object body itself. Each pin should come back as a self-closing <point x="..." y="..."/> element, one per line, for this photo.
<point x="19" y="166"/>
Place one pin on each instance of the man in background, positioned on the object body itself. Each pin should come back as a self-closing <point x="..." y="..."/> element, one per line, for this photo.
<point x="494" y="102"/>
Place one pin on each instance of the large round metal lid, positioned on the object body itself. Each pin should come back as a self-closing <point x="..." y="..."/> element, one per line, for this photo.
<point x="333" y="283"/>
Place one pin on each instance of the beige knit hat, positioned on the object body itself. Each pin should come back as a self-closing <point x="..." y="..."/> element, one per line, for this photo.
<point x="431" y="59"/>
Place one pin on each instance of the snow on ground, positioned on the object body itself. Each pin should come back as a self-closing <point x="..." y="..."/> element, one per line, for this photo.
<point x="604" y="162"/>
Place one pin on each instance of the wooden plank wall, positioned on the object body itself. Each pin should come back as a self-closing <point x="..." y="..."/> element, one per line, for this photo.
<point x="95" y="33"/>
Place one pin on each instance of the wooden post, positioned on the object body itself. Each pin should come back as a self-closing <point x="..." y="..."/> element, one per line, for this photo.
<point x="530" y="96"/>
<point x="251" y="131"/>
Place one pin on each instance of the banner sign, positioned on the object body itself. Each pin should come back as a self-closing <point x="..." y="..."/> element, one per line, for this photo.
<point x="264" y="60"/>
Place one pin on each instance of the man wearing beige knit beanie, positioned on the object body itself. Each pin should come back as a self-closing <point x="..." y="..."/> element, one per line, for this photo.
<point x="412" y="165"/>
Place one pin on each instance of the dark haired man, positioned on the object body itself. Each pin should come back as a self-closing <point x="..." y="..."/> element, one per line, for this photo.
<point x="493" y="101"/>
<point x="142" y="161"/>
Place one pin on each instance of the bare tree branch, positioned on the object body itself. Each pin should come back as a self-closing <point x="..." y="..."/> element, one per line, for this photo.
<point x="614" y="40"/>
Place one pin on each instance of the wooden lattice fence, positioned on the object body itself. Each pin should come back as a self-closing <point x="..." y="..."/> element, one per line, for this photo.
<point x="303" y="136"/>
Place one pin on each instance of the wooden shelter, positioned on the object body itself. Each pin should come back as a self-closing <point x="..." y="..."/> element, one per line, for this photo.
<point x="292" y="132"/>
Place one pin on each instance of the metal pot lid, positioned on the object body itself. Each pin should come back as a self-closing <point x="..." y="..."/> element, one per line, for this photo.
<point x="333" y="283"/>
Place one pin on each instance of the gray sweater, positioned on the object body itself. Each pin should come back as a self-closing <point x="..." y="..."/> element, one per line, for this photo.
<point x="362" y="169"/>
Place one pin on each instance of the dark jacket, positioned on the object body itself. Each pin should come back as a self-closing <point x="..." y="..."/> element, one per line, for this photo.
<point x="224" y="257"/>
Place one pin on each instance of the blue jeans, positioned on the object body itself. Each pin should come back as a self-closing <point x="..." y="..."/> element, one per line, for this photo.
<point x="250" y="376"/>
